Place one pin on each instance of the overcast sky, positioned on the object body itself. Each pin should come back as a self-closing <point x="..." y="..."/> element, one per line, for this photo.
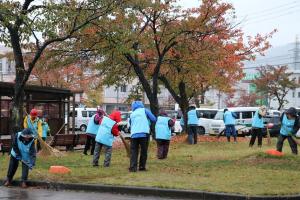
<point x="262" y="16"/>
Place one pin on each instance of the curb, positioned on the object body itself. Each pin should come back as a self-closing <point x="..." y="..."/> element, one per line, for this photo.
<point x="149" y="191"/>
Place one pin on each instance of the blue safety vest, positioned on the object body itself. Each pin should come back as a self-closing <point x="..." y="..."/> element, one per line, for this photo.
<point x="33" y="126"/>
<point x="45" y="127"/>
<point x="24" y="150"/>
<point x="92" y="128"/>
<point x="139" y="122"/>
<point x="286" y="126"/>
<point x="228" y="118"/>
<point x="104" y="135"/>
<point x="192" y="117"/>
<point x="257" y="122"/>
<point x="162" y="129"/>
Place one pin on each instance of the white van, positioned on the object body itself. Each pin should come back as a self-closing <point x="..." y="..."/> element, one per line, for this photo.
<point x="243" y="121"/>
<point x="82" y="116"/>
<point x="206" y="116"/>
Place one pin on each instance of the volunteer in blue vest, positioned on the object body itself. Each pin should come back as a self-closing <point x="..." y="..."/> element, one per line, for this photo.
<point x="229" y="121"/>
<point x="289" y="127"/>
<point x="91" y="131"/>
<point x="193" y="120"/>
<point x="257" y="126"/>
<point x="163" y="134"/>
<point x="23" y="149"/>
<point x="140" y="133"/>
<point x="34" y="123"/>
<point x="45" y="127"/>
<point x="108" y="129"/>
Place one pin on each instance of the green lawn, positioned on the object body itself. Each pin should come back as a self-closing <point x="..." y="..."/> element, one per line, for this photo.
<point x="209" y="166"/>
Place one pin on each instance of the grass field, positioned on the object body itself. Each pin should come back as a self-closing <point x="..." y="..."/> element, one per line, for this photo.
<point x="208" y="166"/>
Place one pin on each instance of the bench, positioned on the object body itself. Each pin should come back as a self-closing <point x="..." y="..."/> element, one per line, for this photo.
<point x="80" y="139"/>
<point x="67" y="140"/>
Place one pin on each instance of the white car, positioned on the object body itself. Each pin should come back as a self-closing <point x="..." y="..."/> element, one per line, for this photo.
<point x="243" y="121"/>
<point x="207" y="115"/>
<point x="82" y="117"/>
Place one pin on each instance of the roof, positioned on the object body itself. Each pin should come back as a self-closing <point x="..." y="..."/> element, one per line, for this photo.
<point x="38" y="92"/>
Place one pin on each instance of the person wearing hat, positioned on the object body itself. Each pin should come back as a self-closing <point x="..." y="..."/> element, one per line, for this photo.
<point x="139" y="121"/>
<point x="229" y="121"/>
<point x="23" y="149"/>
<point x="34" y="123"/>
<point x="45" y="127"/>
<point x="289" y="127"/>
<point x="163" y="127"/>
<point x="257" y="126"/>
<point x="192" y="124"/>
<point x="92" y="130"/>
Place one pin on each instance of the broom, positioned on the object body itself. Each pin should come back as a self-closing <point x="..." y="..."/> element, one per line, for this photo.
<point x="47" y="150"/>
<point x="268" y="137"/>
<point x="126" y="145"/>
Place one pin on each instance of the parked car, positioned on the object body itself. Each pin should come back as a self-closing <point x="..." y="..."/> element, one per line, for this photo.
<point x="243" y="121"/>
<point x="82" y="116"/>
<point x="206" y="116"/>
<point x="124" y="123"/>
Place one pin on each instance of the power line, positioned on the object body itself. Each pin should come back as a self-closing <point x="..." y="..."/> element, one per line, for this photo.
<point x="274" y="8"/>
<point x="257" y="67"/>
<point x="249" y="22"/>
<point x="263" y="15"/>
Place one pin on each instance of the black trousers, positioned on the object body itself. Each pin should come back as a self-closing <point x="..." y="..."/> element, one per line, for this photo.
<point x="192" y="134"/>
<point x="256" y="132"/>
<point x="13" y="166"/>
<point x="89" y="144"/>
<point x="135" y="145"/>
<point x="162" y="148"/>
<point x="291" y="141"/>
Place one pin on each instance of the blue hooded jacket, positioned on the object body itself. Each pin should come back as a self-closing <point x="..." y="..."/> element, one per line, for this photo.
<point x="136" y="106"/>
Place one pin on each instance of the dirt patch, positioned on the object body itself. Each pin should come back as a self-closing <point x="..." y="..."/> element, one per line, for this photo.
<point x="256" y="160"/>
<point x="205" y="138"/>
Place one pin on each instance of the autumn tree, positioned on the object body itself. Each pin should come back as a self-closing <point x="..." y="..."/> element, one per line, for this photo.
<point x="31" y="26"/>
<point x="274" y="82"/>
<point x="197" y="64"/>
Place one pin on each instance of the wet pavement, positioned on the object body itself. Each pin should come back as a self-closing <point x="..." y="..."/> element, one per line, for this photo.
<point x="16" y="193"/>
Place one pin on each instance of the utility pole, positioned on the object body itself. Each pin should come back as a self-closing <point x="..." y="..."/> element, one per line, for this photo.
<point x="296" y="54"/>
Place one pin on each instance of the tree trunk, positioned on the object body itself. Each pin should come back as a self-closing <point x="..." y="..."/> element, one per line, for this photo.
<point x="202" y="100"/>
<point x="196" y="100"/>
<point x="184" y="104"/>
<point x="18" y="98"/>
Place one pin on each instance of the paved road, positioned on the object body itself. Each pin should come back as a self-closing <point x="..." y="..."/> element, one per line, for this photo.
<point x="41" y="194"/>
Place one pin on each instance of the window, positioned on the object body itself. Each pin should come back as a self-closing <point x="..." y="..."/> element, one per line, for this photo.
<point x="91" y="113"/>
<point x="123" y="88"/>
<point x="237" y="114"/>
<point x="84" y="113"/>
<point x="293" y="94"/>
<point x="298" y="94"/>
<point x="208" y="114"/>
<point x="247" y="115"/>
<point x="299" y="80"/>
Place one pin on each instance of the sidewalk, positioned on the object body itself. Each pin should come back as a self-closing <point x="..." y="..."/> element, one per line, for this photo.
<point x="148" y="191"/>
